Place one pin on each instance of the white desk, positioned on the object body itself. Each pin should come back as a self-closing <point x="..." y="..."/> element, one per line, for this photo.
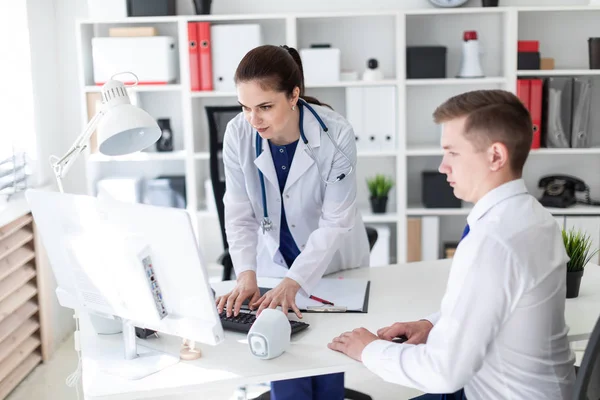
<point x="398" y="293"/>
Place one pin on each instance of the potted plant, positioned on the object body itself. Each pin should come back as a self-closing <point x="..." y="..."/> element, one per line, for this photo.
<point x="379" y="187"/>
<point x="579" y="249"/>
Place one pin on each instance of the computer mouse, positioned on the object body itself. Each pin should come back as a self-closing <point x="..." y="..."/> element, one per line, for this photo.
<point x="400" y="339"/>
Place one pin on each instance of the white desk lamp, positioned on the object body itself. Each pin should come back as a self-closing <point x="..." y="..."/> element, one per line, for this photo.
<point x="122" y="129"/>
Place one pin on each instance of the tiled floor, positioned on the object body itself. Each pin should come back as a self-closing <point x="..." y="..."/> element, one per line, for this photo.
<point x="47" y="382"/>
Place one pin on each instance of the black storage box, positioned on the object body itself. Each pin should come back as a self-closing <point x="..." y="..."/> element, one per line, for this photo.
<point x="437" y="192"/>
<point x="528" y="60"/>
<point x="423" y="62"/>
<point x="150" y="8"/>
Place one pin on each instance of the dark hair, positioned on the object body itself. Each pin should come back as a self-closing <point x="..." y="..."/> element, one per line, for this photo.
<point x="492" y="116"/>
<point x="276" y="68"/>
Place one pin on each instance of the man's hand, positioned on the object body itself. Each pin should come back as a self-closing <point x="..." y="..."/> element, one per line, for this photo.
<point x="246" y="287"/>
<point x="416" y="331"/>
<point x="353" y="343"/>
<point x="283" y="295"/>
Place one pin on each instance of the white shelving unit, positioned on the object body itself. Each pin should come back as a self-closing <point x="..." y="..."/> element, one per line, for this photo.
<point x="387" y="34"/>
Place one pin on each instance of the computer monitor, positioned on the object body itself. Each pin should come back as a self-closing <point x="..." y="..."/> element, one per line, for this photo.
<point x="137" y="262"/>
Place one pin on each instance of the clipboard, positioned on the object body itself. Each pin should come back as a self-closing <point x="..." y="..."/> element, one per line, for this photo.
<point x="342" y="309"/>
<point x="345" y="294"/>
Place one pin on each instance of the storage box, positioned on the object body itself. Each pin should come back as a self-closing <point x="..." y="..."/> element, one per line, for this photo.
<point x="528" y="60"/>
<point x="425" y="62"/>
<point x="437" y="192"/>
<point x="153" y="59"/>
<point x="151" y="8"/>
<point x="321" y="65"/>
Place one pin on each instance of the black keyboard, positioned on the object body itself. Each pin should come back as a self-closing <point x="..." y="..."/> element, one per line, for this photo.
<point x="244" y="320"/>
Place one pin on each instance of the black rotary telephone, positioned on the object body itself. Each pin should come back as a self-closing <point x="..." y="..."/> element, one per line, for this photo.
<point x="559" y="191"/>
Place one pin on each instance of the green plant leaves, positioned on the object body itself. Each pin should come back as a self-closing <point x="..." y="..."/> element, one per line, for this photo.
<point x="579" y="248"/>
<point x="380" y="185"/>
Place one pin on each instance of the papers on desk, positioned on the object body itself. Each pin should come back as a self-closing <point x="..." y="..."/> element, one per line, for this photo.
<point x="353" y="294"/>
<point x="350" y="293"/>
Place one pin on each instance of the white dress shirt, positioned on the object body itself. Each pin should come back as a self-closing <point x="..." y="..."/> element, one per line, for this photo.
<point x="501" y="331"/>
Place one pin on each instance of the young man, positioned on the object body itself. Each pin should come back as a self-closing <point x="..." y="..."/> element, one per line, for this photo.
<point x="500" y="332"/>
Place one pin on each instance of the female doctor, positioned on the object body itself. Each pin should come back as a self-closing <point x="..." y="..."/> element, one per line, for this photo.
<point x="290" y="200"/>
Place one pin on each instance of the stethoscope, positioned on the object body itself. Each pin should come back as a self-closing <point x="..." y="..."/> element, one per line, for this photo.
<point x="266" y="223"/>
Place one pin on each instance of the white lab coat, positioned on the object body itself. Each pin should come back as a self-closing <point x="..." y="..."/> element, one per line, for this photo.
<point x="323" y="219"/>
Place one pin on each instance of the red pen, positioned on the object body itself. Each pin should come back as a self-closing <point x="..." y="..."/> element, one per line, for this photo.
<point x="321" y="300"/>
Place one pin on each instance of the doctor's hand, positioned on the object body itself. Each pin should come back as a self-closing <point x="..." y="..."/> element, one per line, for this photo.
<point x="283" y="295"/>
<point x="353" y="343"/>
<point x="246" y="287"/>
<point x="416" y="331"/>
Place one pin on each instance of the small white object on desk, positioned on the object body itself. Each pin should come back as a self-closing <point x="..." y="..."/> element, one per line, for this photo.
<point x="269" y="336"/>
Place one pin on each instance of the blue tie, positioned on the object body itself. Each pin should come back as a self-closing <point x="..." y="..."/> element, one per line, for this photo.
<point x="465" y="232"/>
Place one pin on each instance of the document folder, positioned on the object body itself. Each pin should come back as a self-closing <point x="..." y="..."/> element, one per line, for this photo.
<point x="582" y="101"/>
<point x="559" y="114"/>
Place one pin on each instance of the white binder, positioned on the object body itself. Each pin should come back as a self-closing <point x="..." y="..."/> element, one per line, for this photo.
<point x="230" y="43"/>
<point x="381" y="112"/>
<point x="372" y="112"/>
<point x="355" y="115"/>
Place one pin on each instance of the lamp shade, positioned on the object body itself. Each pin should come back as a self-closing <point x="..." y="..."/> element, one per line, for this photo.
<point x="124" y="128"/>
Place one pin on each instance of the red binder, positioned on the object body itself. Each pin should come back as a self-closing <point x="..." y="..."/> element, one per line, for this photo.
<point x="523" y="91"/>
<point x="535" y="108"/>
<point x="204" y="56"/>
<point x="193" y="53"/>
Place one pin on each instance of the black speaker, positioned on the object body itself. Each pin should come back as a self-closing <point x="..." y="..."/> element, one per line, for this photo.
<point x="437" y="192"/>
<point x="150" y="8"/>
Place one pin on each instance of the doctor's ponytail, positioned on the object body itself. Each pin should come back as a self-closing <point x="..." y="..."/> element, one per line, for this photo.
<point x="277" y="68"/>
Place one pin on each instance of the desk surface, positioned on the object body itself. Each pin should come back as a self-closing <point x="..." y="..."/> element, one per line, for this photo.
<point x="398" y="293"/>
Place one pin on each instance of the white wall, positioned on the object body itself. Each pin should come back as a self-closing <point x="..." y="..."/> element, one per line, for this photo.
<point x="50" y="135"/>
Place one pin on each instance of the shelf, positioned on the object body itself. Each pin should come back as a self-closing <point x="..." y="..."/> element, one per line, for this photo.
<point x="436" y="151"/>
<point x="456" y="81"/>
<point x="203" y="155"/>
<point x="357" y="83"/>
<point x="579" y="209"/>
<point x="458" y="10"/>
<point x="377" y="153"/>
<point x="559" y="8"/>
<point x="212" y="94"/>
<point x="575" y="210"/>
<point x="369" y="217"/>
<point x="341" y="84"/>
<point x="557" y="72"/>
<point x="424" y="151"/>
<point x="421" y="211"/>
<point x="139" y="88"/>
<point x="140" y="156"/>
<point x="565" y="151"/>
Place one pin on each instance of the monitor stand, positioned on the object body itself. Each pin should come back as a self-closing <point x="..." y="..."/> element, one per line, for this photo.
<point x="138" y="361"/>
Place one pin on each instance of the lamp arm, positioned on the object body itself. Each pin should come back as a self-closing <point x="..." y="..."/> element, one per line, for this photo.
<point x="61" y="166"/>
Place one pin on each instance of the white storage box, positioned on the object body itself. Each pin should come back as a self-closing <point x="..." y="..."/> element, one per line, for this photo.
<point x="230" y="43"/>
<point x="153" y="59"/>
<point x="320" y="65"/>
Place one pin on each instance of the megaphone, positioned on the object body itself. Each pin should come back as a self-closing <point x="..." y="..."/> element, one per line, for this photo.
<point x="470" y="66"/>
